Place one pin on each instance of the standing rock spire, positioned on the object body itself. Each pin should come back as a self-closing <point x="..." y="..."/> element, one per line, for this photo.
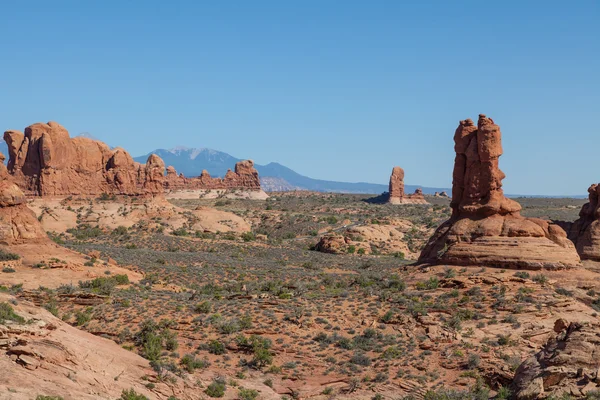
<point x="486" y="228"/>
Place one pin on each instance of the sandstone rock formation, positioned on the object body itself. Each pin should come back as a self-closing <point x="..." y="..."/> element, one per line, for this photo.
<point x="585" y="232"/>
<point x="387" y="236"/>
<point x="396" y="190"/>
<point x="40" y="355"/>
<point x="245" y="176"/>
<point x="46" y="161"/>
<point x="486" y="228"/>
<point x="569" y="363"/>
<point x="17" y="222"/>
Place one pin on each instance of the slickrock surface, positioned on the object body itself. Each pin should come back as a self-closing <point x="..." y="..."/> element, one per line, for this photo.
<point x="569" y="363"/>
<point x="41" y="355"/>
<point x="487" y="228"/>
<point x="396" y="190"/>
<point x="585" y="232"/>
<point x="46" y="161"/>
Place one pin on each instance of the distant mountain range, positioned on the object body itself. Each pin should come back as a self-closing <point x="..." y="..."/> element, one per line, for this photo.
<point x="274" y="176"/>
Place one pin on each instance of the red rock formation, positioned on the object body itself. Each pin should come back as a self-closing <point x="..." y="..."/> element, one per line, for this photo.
<point x="486" y="228"/>
<point x="585" y="232"/>
<point x="17" y="222"/>
<point x="46" y="161"/>
<point x="244" y="177"/>
<point x="396" y="190"/>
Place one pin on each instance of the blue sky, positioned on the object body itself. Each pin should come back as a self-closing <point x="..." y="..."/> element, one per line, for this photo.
<point x="340" y="90"/>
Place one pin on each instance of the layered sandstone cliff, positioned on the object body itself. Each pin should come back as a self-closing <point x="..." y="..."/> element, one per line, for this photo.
<point x="486" y="228"/>
<point x="17" y="222"/>
<point x="46" y="161"/>
<point x="585" y="231"/>
<point x="396" y="190"/>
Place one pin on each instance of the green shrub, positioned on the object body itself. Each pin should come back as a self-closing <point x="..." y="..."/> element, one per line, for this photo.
<point x="8" y="314"/>
<point x="247" y="394"/>
<point x="216" y="389"/>
<point x="6" y="256"/>
<point x="132" y="395"/>
<point x="216" y="347"/>
<point x="203" y="308"/>
<point x="248" y="236"/>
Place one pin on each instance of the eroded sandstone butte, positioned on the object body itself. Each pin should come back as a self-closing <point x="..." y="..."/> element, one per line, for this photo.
<point x="585" y="231"/>
<point x="245" y="176"/>
<point x="486" y="228"/>
<point x="396" y="190"/>
<point x="46" y="161"/>
<point x="17" y="222"/>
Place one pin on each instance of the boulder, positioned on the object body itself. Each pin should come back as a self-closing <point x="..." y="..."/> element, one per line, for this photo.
<point x="568" y="363"/>
<point x="486" y="228"/>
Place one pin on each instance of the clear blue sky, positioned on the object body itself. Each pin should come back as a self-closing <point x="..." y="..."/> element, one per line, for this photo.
<point x="340" y="90"/>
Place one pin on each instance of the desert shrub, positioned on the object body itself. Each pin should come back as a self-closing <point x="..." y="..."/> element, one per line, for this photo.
<point x="8" y="269"/>
<point x="7" y="313"/>
<point x="216" y="389"/>
<point x="191" y="363"/>
<point x="248" y="236"/>
<point x="216" y="347"/>
<point x="132" y="395"/>
<point x="431" y="283"/>
<point x="247" y="394"/>
<point x="120" y="230"/>
<point x="82" y="318"/>
<point x="6" y="256"/>
<point x="203" y="308"/>
<point x="540" y="278"/>
<point x="360" y="358"/>
<point x="522" y="274"/>
<point x="84" y="231"/>
<point x="180" y="232"/>
<point x="42" y="397"/>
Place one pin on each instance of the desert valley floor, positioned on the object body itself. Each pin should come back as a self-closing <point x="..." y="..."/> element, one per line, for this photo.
<point x="239" y="298"/>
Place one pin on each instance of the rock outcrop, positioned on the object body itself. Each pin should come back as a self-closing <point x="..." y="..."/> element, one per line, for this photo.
<point x="46" y="161"/>
<point x="17" y="222"/>
<point x="396" y="190"/>
<point x="569" y="363"/>
<point x="245" y="177"/>
<point x="486" y="228"/>
<point x="585" y="231"/>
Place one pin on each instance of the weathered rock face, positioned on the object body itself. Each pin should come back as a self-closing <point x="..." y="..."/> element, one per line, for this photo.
<point x="585" y="232"/>
<point x="396" y="190"/>
<point x="245" y="177"/>
<point x="17" y="222"/>
<point x="486" y="228"/>
<point x="569" y="363"/>
<point x="46" y="161"/>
